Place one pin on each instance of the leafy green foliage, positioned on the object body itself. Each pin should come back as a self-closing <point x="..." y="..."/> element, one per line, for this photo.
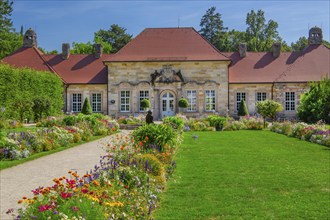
<point x="242" y="110"/>
<point x="174" y="121"/>
<point x="88" y="48"/>
<point x="315" y="103"/>
<point x="217" y="121"/>
<point x="19" y="87"/>
<point x="116" y="36"/>
<point x="300" y="44"/>
<point x="155" y="137"/>
<point x="145" y="104"/>
<point x="212" y="28"/>
<point x="41" y="107"/>
<point x="87" y="108"/>
<point x="260" y="35"/>
<point x="268" y="108"/>
<point x="10" y="40"/>
<point x="183" y="103"/>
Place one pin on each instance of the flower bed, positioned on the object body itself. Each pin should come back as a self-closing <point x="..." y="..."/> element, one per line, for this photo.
<point x="314" y="133"/>
<point x="244" y="123"/>
<point x="60" y="132"/>
<point x="125" y="185"/>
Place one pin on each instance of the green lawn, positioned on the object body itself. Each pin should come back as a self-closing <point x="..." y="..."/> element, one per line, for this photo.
<point x="248" y="175"/>
<point x="10" y="163"/>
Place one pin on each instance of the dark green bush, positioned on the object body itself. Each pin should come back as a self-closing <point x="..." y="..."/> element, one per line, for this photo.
<point x="242" y="110"/>
<point x="183" y="103"/>
<point x="174" y="121"/>
<point x="87" y="108"/>
<point x="145" y="104"/>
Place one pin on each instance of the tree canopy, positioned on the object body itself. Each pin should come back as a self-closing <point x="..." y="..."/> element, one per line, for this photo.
<point x="315" y="103"/>
<point x="212" y="28"/>
<point x="116" y="36"/>
<point x="10" y="40"/>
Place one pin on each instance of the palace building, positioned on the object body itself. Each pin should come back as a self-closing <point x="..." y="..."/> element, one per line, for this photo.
<point x="165" y="64"/>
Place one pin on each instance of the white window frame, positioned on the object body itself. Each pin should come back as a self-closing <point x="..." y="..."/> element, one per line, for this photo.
<point x="143" y="94"/>
<point x="210" y="99"/>
<point x="290" y="101"/>
<point x="96" y="104"/>
<point x="76" y="104"/>
<point x="191" y="96"/>
<point x="124" y="99"/>
<point x="239" y="97"/>
<point x="261" y="96"/>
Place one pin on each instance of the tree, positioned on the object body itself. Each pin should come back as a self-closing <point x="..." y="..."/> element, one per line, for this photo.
<point x="260" y="35"/>
<point x="242" y="110"/>
<point x="6" y="8"/>
<point x="87" y="109"/>
<point x="232" y="39"/>
<point x="145" y="104"/>
<point x="88" y="48"/>
<point x="47" y="52"/>
<point x="268" y="108"/>
<point x="300" y="44"/>
<point x="116" y="36"/>
<point x="315" y="103"/>
<point x="9" y="40"/>
<point x="212" y="28"/>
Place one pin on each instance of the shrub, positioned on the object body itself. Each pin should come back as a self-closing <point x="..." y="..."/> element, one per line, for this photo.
<point x="41" y="106"/>
<point x="217" y="121"/>
<point x="151" y="164"/>
<point x="183" y="103"/>
<point x="145" y="104"/>
<point x="315" y="103"/>
<point x="155" y="137"/>
<point x="268" y="108"/>
<point x="87" y="109"/>
<point x="174" y="121"/>
<point x="22" y="85"/>
<point x="242" y="110"/>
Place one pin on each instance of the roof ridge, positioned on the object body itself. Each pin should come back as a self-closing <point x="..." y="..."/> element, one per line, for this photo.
<point x="211" y="44"/>
<point x="47" y="64"/>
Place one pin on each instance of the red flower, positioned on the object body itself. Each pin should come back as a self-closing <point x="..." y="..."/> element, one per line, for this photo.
<point x="83" y="190"/>
<point x="43" y="208"/>
<point x="75" y="208"/>
<point x="66" y="195"/>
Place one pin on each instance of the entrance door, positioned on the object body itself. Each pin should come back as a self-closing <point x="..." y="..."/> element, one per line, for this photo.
<point x="167" y="104"/>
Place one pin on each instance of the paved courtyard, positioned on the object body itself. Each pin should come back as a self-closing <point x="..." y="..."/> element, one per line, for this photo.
<point x="18" y="181"/>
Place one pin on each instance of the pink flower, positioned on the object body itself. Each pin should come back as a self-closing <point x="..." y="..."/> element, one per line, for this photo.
<point x="75" y="208"/>
<point x="65" y="195"/>
<point x="43" y="208"/>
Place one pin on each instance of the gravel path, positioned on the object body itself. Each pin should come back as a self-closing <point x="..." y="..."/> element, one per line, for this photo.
<point x="18" y="181"/>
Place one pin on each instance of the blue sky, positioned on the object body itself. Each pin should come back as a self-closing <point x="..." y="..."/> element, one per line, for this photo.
<point x="57" y="22"/>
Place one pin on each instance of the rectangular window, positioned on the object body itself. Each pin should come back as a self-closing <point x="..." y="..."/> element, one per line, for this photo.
<point x="76" y="102"/>
<point x="96" y="102"/>
<point x="209" y="100"/>
<point x="290" y="103"/>
<point x="143" y="95"/>
<point x="192" y="97"/>
<point x="124" y="101"/>
<point x="239" y="97"/>
<point x="261" y="96"/>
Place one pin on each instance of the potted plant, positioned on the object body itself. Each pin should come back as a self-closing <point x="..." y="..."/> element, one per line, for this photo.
<point x="183" y="103"/>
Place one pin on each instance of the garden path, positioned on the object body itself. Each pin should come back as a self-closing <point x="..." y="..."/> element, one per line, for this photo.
<point x="18" y="181"/>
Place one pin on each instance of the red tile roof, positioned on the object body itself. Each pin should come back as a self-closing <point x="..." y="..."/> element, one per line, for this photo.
<point x="168" y="44"/>
<point x="80" y="68"/>
<point x="310" y="65"/>
<point x="27" y="57"/>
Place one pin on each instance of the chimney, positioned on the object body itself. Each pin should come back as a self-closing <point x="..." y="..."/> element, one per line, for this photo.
<point x="97" y="50"/>
<point x="65" y="51"/>
<point x="315" y="36"/>
<point x="242" y="49"/>
<point x="30" y="38"/>
<point x="276" y="49"/>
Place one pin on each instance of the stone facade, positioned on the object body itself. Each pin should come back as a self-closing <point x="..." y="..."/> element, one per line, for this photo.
<point x="87" y="91"/>
<point x="276" y="91"/>
<point x="174" y="78"/>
